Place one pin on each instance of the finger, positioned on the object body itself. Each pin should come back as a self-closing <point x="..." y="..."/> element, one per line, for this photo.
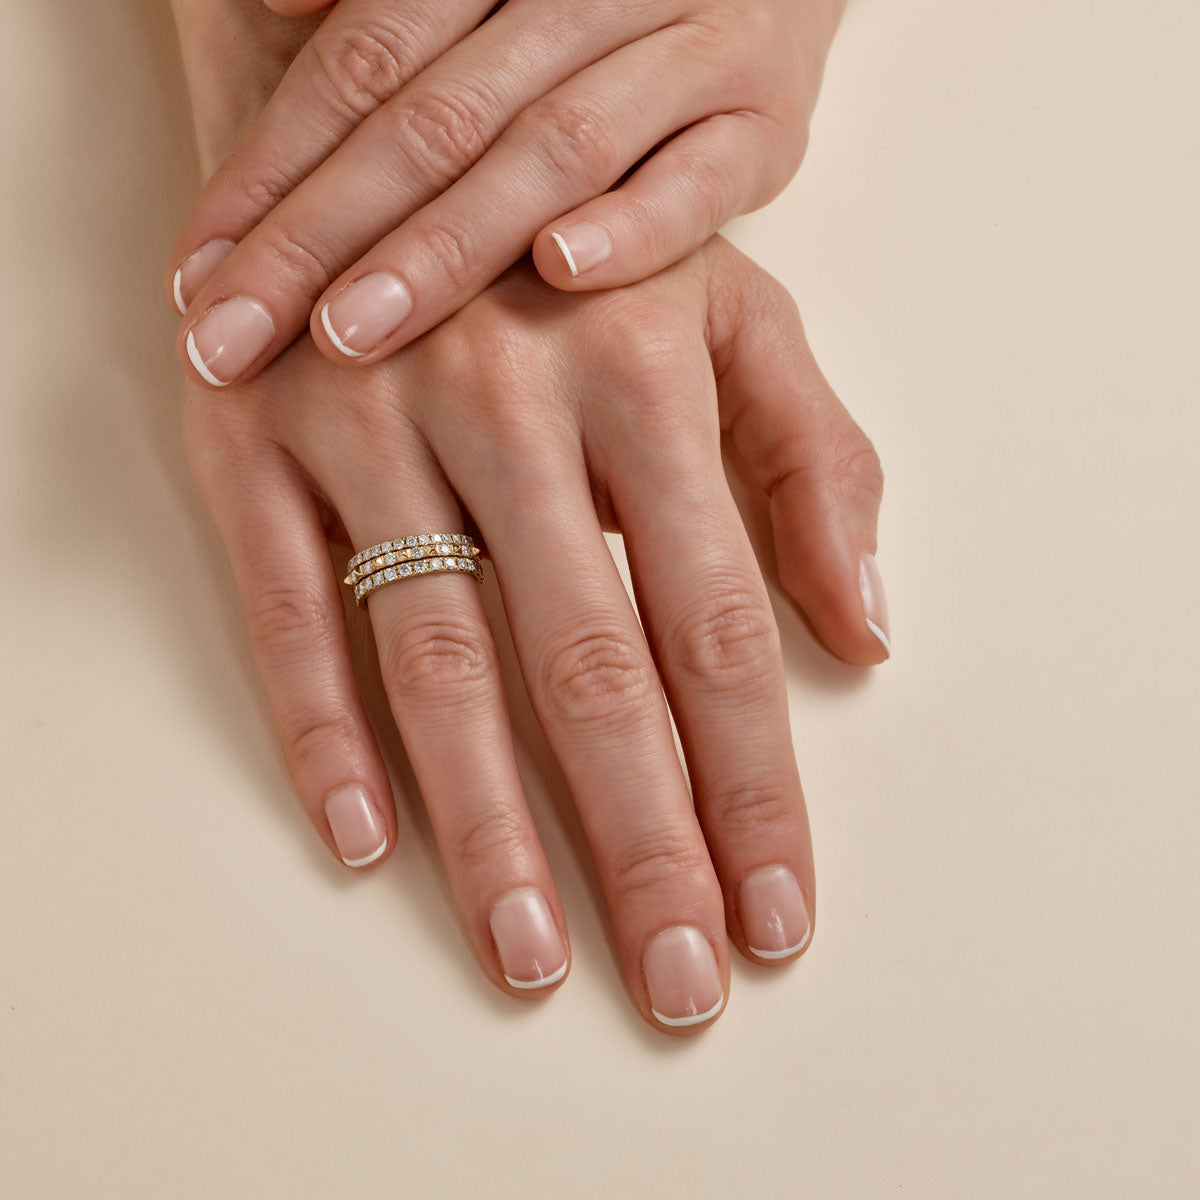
<point x="569" y="146"/>
<point x="273" y="533"/>
<point x="709" y="619"/>
<point x="357" y="59"/>
<point x="442" y="677"/>
<point x="722" y="167"/>
<point x="427" y="135"/>
<point x="592" y="682"/>
<point x="818" y="467"/>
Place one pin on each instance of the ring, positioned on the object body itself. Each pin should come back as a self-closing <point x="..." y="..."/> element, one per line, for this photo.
<point x="402" y="558"/>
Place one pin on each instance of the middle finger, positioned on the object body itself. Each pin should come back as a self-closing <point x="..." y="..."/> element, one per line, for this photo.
<point x="592" y="682"/>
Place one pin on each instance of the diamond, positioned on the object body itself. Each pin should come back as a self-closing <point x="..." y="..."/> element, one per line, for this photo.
<point x="423" y="540"/>
<point x="386" y="546"/>
<point x="435" y="564"/>
<point x="412" y="541"/>
<point x="389" y="559"/>
<point x="443" y="548"/>
<point x="404" y="570"/>
<point x="421" y="568"/>
<point x="390" y="574"/>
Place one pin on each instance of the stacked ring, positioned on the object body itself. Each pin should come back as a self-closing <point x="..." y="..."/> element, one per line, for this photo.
<point x="403" y="558"/>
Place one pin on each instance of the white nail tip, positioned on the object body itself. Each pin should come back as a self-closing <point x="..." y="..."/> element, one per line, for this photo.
<point x="782" y="953"/>
<point x="566" y="253"/>
<point x="370" y="858"/>
<point x="198" y="363"/>
<point x="880" y="635"/>
<point x="678" y="1022"/>
<point x="333" y="337"/>
<point x="179" y="304"/>
<point x="528" y="984"/>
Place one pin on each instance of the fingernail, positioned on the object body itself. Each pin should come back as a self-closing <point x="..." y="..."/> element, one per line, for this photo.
<point x="584" y="246"/>
<point x="196" y="270"/>
<point x="229" y="339"/>
<point x="870" y="584"/>
<point x="364" y="314"/>
<point x="531" y="950"/>
<point x="356" y="825"/>
<point x="682" y="976"/>
<point x="773" y="913"/>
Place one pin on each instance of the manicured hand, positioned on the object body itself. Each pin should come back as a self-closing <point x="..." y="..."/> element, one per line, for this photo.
<point x="547" y="419"/>
<point x="416" y="150"/>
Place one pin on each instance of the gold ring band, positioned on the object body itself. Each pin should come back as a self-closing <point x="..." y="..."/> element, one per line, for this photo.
<point x="404" y="558"/>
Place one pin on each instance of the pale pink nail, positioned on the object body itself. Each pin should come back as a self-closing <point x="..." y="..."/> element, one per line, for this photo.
<point x="682" y="976"/>
<point x="773" y="913"/>
<point x="870" y="584"/>
<point x="356" y="825"/>
<point x="196" y="270"/>
<point x="531" y="950"/>
<point x="584" y="246"/>
<point x="366" y="313"/>
<point x="229" y="339"/>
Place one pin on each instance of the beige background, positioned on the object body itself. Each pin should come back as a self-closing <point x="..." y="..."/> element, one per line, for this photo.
<point x="994" y="243"/>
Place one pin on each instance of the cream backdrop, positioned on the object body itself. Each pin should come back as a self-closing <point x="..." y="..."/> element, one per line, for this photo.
<point x="994" y="244"/>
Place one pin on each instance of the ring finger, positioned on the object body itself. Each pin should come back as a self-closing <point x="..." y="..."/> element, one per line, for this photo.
<point x="593" y="684"/>
<point x="441" y="673"/>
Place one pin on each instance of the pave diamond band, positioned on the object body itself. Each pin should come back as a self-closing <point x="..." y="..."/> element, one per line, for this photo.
<point x="402" y="558"/>
<point x="421" y="539"/>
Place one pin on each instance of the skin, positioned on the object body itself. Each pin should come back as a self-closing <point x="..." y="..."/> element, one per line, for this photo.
<point x="548" y="419"/>
<point x="409" y="138"/>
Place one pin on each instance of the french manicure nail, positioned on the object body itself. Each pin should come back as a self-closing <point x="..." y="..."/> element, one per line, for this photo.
<point x="682" y="976"/>
<point x="584" y="246"/>
<point x="530" y="948"/>
<point x="361" y="316"/>
<point x="195" y="270"/>
<point x="229" y="339"/>
<point x="773" y="913"/>
<point x="874" y="601"/>
<point x="356" y="825"/>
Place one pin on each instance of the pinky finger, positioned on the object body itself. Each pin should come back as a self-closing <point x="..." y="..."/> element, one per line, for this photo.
<point x="710" y="173"/>
<point x="272" y="530"/>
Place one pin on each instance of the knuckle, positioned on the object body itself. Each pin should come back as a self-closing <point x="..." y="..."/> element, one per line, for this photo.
<point x="311" y="737"/>
<point x="295" y="254"/>
<point x="854" y="465"/>
<point x="445" y="130"/>
<point x="283" y="616"/>
<point x="732" y="641"/>
<point x="453" y="252"/>
<point x="711" y="186"/>
<point x="364" y="65"/>
<point x="754" y="809"/>
<point x="668" y="859"/>
<point x="575" y="138"/>
<point x="650" y="352"/>
<point x="485" y="839"/>
<point x="262" y="182"/>
<point x="598" y="678"/>
<point x="436" y="661"/>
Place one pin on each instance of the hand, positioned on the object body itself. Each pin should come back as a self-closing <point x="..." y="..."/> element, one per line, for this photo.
<point x="412" y="154"/>
<point x="548" y="418"/>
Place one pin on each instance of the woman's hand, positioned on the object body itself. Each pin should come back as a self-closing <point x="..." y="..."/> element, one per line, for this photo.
<point x="547" y="418"/>
<point x="413" y="153"/>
